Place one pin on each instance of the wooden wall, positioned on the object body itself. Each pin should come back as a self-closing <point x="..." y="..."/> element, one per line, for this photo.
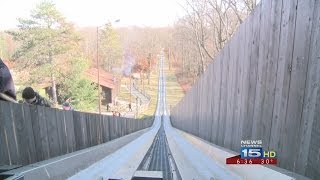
<point x="30" y="134"/>
<point x="264" y="84"/>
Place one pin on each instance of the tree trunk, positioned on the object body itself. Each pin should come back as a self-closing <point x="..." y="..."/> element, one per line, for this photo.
<point x="143" y="83"/>
<point x="54" y="89"/>
<point x="169" y="60"/>
<point x="182" y="59"/>
<point x="201" y="57"/>
<point x="53" y="81"/>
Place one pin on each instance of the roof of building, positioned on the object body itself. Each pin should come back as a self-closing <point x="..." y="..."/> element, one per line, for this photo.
<point x="106" y="79"/>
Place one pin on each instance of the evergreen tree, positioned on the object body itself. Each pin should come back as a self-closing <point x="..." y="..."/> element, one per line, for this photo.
<point x="80" y="90"/>
<point x="110" y="48"/>
<point x="44" y="38"/>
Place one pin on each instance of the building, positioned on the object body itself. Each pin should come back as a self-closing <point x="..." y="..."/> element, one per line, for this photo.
<point x="108" y="82"/>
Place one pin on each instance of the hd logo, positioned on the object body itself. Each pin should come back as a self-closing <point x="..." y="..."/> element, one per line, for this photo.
<point x="247" y="152"/>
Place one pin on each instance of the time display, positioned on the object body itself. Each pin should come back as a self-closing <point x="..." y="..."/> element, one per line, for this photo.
<point x="261" y="161"/>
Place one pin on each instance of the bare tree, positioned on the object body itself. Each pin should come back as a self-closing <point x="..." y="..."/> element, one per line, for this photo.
<point x="204" y="30"/>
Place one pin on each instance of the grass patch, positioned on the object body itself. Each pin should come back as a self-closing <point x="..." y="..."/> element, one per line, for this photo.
<point x="124" y="94"/>
<point x="174" y="90"/>
<point x="152" y="90"/>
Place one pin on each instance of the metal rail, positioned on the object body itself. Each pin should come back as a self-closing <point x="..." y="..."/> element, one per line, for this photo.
<point x="159" y="157"/>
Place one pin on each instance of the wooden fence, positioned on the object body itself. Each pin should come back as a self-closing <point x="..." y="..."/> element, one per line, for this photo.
<point x="30" y="134"/>
<point x="264" y="84"/>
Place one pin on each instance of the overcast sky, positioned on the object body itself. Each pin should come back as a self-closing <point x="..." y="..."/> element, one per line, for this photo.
<point x="97" y="12"/>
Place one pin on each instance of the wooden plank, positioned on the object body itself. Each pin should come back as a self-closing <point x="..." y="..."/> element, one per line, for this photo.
<point x="123" y="126"/>
<point x="215" y="104"/>
<point x="139" y="123"/>
<point x="190" y="121"/>
<point x="194" y="112"/>
<point x="93" y="130"/>
<point x="119" y="126"/>
<point x="32" y="154"/>
<point x="4" y="148"/>
<point x="225" y="65"/>
<point x="195" y="108"/>
<point x="128" y="126"/>
<point x="245" y="80"/>
<point x="94" y="138"/>
<point x="105" y="131"/>
<point x="238" y="91"/>
<point x="255" y="32"/>
<point x="132" y="126"/>
<point x="258" y="125"/>
<point x="198" y="106"/>
<point x="21" y="134"/>
<point x="231" y="91"/>
<point x="94" y="122"/>
<point x="136" y="124"/>
<point x="207" y="110"/>
<point x="10" y="134"/>
<point x="312" y="87"/>
<point x="273" y="56"/>
<point x="313" y="164"/>
<point x="84" y="130"/>
<point x="36" y="131"/>
<point x="244" y="130"/>
<point x="98" y="127"/>
<point x="52" y="130"/>
<point x="113" y="128"/>
<point x="87" y="116"/>
<point x="43" y="134"/>
<point x="101" y="129"/>
<point x="151" y="121"/>
<point x="298" y="80"/>
<point x="193" y="128"/>
<point x="62" y="132"/>
<point x="77" y="130"/>
<point x="80" y="130"/>
<point x="278" y="128"/>
<point x="71" y="143"/>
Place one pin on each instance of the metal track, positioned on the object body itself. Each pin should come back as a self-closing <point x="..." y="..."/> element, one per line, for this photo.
<point x="159" y="157"/>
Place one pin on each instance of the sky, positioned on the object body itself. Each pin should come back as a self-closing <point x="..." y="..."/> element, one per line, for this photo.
<point x="154" y="13"/>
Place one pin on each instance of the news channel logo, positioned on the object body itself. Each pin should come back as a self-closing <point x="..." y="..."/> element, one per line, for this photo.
<point x="253" y="149"/>
<point x="252" y="152"/>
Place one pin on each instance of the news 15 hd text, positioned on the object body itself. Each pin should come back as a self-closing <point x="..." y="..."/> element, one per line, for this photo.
<point x="251" y="152"/>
